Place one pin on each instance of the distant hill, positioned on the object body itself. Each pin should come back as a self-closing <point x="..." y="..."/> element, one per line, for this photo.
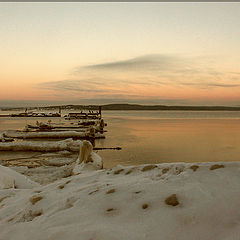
<point x="134" y="107"/>
<point x="164" y="107"/>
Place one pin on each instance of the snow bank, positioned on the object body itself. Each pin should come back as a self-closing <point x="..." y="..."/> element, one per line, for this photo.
<point x="60" y="134"/>
<point x="12" y="179"/>
<point x="158" y="202"/>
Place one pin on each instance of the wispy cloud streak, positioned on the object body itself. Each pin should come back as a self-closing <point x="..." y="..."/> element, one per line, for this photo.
<point x="144" y="77"/>
<point x="148" y="62"/>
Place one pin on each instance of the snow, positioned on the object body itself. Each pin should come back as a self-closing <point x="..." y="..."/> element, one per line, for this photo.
<point x="60" y="134"/>
<point x="57" y="160"/>
<point x="129" y="203"/>
<point x="12" y="179"/>
<point x="87" y="159"/>
<point x="67" y="144"/>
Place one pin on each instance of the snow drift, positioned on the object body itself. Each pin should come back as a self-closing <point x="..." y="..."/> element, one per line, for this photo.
<point x="12" y="179"/>
<point x="164" y="201"/>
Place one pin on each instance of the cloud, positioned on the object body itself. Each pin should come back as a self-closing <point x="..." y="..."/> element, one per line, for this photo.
<point x="162" y="69"/>
<point x="69" y="85"/>
<point x="235" y="73"/>
<point x="84" y="86"/>
<point x="207" y="85"/>
<point x="171" y="64"/>
<point x="143" y="78"/>
<point x="153" y="62"/>
<point x="223" y="85"/>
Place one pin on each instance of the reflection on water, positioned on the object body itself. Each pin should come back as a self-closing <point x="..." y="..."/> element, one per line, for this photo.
<point x="162" y="136"/>
<point x="152" y="137"/>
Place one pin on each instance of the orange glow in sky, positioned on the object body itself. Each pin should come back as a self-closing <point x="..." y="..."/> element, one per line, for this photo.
<point x="148" y="53"/>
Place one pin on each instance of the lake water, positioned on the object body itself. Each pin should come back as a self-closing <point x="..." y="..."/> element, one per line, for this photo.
<point x="162" y="136"/>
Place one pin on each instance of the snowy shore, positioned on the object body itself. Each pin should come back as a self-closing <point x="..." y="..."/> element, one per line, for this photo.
<point x="179" y="201"/>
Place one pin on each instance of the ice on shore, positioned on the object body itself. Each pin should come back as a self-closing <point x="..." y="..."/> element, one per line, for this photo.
<point x="58" y="135"/>
<point x="68" y="144"/>
<point x="179" y="201"/>
<point x="56" y="161"/>
<point x="87" y="159"/>
<point x="4" y="139"/>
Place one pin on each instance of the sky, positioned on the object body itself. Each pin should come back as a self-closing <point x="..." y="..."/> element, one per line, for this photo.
<point x="99" y="53"/>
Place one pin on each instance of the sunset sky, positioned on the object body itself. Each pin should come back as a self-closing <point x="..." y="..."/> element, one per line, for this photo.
<point x="97" y="53"/>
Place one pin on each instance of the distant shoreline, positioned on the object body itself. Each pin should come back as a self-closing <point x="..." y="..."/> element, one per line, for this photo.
<point x="128" y="107"/>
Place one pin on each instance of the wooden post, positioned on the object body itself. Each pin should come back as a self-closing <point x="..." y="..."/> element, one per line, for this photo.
<point x="100" y="111"/>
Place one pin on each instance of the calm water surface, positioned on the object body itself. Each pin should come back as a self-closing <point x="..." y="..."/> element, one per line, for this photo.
<point x="162" y="136"/>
